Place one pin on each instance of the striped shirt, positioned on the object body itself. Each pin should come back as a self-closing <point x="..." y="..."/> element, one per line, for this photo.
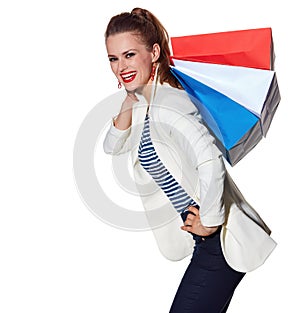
<point x="154" y="166"/>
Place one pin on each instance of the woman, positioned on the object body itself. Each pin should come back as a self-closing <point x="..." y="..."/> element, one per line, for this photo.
<point x="192" y="204"/>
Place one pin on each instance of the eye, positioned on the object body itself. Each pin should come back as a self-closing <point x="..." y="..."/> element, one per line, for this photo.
<point x="112" y="59"/>
<point x="129" y="55"/>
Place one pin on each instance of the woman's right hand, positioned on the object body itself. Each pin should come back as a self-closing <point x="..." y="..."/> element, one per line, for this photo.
<point x="123" y="121"/>
<point x="130" y="99"/>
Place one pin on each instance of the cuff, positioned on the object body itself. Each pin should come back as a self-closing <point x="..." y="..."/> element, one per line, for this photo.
<point x="212" y="220"/>
<point x="116" y="131"/>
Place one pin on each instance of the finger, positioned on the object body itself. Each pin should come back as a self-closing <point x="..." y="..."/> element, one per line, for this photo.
<point x="194" y="210"/>
<point x="190" y="218"/>
<point x="187" y="228"/>
<point x="134" y="98"/>
<point x="131" y="95"/>
<point x="188" y="223"/>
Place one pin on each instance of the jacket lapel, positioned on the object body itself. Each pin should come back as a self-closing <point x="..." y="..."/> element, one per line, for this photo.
<point x="139" y="111"/>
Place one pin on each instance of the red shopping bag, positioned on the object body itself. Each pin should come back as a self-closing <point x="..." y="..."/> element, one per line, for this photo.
<point x="248" y="48"/>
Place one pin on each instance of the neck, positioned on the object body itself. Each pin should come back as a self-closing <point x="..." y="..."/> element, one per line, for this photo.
<point x="147" y="90"/>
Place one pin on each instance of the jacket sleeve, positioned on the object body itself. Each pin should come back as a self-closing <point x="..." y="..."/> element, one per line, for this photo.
<point x="183" y="123"/>
<point x="116" y="140"/>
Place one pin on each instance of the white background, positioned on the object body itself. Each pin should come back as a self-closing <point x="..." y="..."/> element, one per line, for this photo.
<point x="56" y="256"/>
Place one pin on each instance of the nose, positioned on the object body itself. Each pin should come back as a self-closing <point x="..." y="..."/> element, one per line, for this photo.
<point x="122" y="65"/>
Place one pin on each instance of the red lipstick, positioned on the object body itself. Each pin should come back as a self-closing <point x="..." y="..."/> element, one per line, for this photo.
<point x="129" y="76"/>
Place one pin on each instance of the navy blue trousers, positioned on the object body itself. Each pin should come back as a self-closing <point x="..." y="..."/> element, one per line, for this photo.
<point x="208" y="283"/>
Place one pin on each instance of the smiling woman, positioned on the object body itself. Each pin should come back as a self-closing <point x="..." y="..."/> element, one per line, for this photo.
<point x="207" y="215"/>
<point x="130" y="61"/>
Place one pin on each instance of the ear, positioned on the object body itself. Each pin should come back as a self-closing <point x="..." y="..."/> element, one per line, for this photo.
<point x="155" y="52"/>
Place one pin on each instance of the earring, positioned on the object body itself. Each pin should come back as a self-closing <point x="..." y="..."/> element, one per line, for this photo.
<point x="153" y="72"/>
<point x="119" y="85"/>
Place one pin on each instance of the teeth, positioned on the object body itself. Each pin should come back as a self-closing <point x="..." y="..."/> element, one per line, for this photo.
<point x="128" y="75"/>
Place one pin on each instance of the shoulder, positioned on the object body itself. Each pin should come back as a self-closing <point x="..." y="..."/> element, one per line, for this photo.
<point x="170" y="102"/>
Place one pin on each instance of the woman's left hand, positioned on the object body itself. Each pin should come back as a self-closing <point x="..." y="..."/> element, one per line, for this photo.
<point x="193" y="224"/>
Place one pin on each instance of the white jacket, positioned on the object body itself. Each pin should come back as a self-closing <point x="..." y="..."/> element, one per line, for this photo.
<point x="187" y="150"/>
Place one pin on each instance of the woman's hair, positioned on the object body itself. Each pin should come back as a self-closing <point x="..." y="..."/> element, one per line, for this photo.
<point x="149" y="29"/>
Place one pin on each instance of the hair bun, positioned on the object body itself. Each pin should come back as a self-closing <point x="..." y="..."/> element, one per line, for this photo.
<point x="141" y="12"/>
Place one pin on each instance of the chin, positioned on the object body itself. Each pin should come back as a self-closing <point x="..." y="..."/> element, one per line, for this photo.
<point x="134" y="87"/>
<point x="131" y="87"/>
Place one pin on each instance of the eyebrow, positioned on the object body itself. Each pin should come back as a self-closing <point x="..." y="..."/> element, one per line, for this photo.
<point x="124" y="53"/>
